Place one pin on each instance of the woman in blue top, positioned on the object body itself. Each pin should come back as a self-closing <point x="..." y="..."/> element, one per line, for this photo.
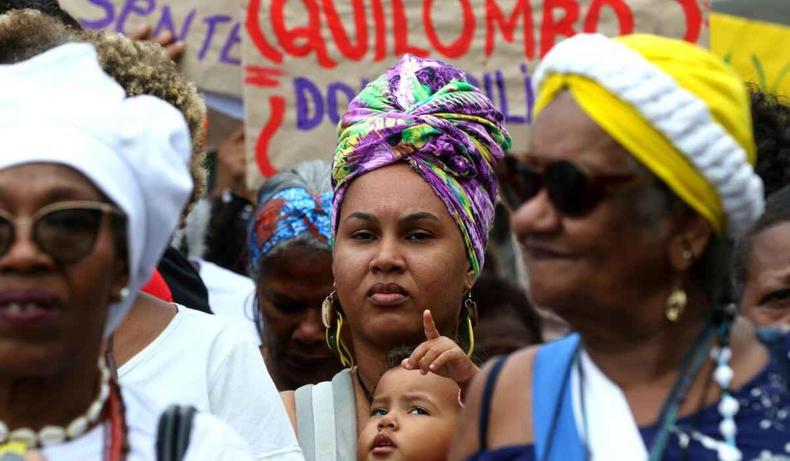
<point x="638" y="175"/>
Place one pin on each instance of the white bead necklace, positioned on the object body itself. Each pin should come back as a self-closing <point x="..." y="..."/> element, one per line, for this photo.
<point x="728" y="405"/>
<point x="53" y="435"/>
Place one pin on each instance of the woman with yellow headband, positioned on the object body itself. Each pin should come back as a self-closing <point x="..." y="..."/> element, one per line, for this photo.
<point x="638" y="175"/>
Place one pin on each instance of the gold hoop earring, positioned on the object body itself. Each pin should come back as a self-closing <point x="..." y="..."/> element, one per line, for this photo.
<point x="327" y="308"/>
<point x="469" y="306"/>
<point x="333" y="322"/>
<point x="346" y="359"/>
<point x="676" y="304"/>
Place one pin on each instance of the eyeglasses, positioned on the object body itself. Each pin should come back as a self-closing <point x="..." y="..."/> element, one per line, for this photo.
<point x="571" y="191"/>
<point x="66" y="231"/>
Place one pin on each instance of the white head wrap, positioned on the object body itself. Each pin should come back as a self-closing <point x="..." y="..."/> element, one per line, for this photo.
<point x="677" y="108"/>
<point x="60" y="107"/>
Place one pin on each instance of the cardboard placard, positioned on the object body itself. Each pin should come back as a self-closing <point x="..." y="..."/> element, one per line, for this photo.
<point x="211" y="30"/>
<point x="304" y="60"/>
<point x="757" y="50"/>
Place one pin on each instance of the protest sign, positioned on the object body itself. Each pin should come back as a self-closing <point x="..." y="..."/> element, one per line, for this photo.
<point x="757" y="50"/>
<point x="211" y="30"/>
<point x="304" y="60"/>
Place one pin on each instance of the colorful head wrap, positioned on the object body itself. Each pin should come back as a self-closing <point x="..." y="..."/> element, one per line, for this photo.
<point x="677" y="108"/>
<point x="284" y="216"/>
<point x="425" y="113"/>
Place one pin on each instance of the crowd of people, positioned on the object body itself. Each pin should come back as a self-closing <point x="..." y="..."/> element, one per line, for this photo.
<point x="631" y="303"/>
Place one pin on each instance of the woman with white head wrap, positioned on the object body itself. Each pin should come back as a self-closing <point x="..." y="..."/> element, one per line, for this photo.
<point x="166" y="351"/>
<point x="639" y="173"/>
<point x="91" y="187"/>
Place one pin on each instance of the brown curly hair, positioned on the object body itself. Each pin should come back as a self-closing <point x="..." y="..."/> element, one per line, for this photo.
<point x="26" y="33"/>
<point x="141" y="68"/>
<point x="144" y="68"/>
<point x="771" y="125"/>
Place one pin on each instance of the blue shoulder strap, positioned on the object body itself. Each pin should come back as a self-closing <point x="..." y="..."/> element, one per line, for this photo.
<point x="556" y="437"/>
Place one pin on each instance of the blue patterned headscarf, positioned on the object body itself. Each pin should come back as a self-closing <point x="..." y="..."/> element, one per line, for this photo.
<point x="286" y="215"/>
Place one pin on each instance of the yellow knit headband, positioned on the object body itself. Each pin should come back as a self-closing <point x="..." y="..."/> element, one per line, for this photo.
<point x="678" y="109"/>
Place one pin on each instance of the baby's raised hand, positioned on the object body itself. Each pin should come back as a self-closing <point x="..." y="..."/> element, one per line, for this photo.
<point x="441" y="355"/>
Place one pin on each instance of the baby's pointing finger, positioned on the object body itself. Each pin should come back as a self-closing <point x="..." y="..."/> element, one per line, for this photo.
<point x="431" y="332"/>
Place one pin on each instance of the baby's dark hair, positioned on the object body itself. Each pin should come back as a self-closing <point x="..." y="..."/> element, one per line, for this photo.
<point x="398" y="354"/>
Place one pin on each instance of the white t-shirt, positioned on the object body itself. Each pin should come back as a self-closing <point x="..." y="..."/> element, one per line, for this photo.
<point x="230" y="295"/>
<point x="211" y="439"/>
<point x="204" y="360"/>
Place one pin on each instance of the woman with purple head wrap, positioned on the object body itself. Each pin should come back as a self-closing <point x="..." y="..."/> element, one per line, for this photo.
<point x="426" y="114"/>
<point x="415" y="188"/>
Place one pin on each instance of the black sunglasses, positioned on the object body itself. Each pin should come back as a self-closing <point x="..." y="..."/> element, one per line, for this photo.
<point x="66" y="231"/>
<point x="571" y="191"/>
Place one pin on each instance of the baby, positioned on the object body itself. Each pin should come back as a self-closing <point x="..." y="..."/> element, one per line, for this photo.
<point x="417" y="402"/>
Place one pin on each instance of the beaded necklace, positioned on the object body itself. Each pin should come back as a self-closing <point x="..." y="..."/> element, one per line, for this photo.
<point x="107" y="407"/>
<point x="728" y="406"/>
<point x="115" y="429"/>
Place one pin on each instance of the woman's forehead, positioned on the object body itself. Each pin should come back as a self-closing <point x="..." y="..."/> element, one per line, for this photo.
<point x="45" y="183"/>
<point x="771" y="246"/>
<point x="564" y="132"/>
<point x="399" y="384"/>
<point x="394" y="191"/>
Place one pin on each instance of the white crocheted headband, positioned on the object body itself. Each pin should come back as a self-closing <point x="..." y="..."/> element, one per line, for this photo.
<point x="681" y="116"/>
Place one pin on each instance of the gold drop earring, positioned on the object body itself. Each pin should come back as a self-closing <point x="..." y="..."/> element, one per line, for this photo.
<point x="677" y="300"/>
